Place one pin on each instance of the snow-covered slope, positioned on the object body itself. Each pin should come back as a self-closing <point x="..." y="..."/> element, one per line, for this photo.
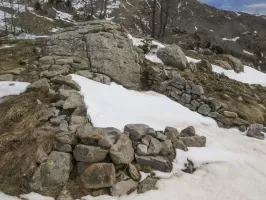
<point x="231" y="166"/>
<point x="236" y="164"/>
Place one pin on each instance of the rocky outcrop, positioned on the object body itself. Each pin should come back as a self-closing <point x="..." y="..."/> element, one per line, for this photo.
<point x="101" y="47"/>
<point x="173" y="56"/>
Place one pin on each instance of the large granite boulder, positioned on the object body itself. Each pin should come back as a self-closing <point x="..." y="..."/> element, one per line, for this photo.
<point x="173" y="56"/>
<point x="99" y="175"/>
<point x="104" y="46"/>
<point x="53" y="173"/>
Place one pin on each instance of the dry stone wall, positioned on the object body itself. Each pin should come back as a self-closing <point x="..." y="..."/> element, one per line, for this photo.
<point x="168" y="81"/>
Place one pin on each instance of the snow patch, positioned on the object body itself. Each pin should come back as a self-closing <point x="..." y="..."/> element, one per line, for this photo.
<point x="249" y="53"/>
<point x="107" y="105"/>
<point x="250" y="75"/>
<point x="12" y="88"/>
<point x="232" y="39"/>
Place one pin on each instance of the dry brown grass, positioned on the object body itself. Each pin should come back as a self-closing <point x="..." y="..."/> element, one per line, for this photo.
<point x="10" y="57"/>
<point x="227" y="91"/>
<point x="18" y="142"/>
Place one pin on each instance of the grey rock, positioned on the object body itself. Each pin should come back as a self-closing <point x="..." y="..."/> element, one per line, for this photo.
<point x="63" y="61"/>
<point x="147" y="185"/>
<point x="6" y="77"/>
<point x="204" y="109"/>
<point x="101" y="78"/>
<point x="189" y="167"/>
<point x="97" y="43"/>
<point x="49" y="113"/>
<point x="16" y="71"/>
<point x="66" y="81"/>
<point x="81" y="167"/>
<point x="53" y="173"/>
<point x="80" y="66"/>
<point x="121" y="176"/>
<point x="99" y="175"/>
<point x="123" y="187"/>
<point x="41" y="156"/>
<point x="171" y="130"/>
<point x="90" y="154"/>
<point x="46" y="60"/>
<point x="85" y="73"/>
<point x="87" y="134"/>
<point x="235" y="63"/>
<point x="215" y="105"/>
<point x="122" y="152"/>
<point x="167" y="148"/>
<point x="230" y="114"/>
<point x="186" y="98"/>
<point x="255" y="131"/>
<point x="142" y="150"/>
<point x="64" y="94"/>
<point x="73" y="102"/>
<point x="223" y="64"/>
<point x="158" y="163"/>
<point x="57" y="120"/>
<point x="154" y="147"/>
<point x="63" y="147"/>
<point x="161" y="136"/>
<point x="66" y="138"/>
<point x="173" y="56"/>
<point x="197" y="89"/>
<point x="110" y="136"/>
<point x="242" y="128"/>
<point x="189" y="131"/>
<point x="39" y="85"/>
<point x="194" y="141"/>
<point x="136" y="131"/>
<point x="133" y="172"/>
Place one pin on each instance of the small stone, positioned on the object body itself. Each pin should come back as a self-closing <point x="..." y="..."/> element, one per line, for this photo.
<point x="137" y="130"/>
<point x="204" y="109"/>
<point x="147" y="185"/>
<point x="189" y="167"/>
<point x="6" y="77"/>
<point x="124" y="187"/>
<point x="194" y="141"/>
<point x="161" y="136"/>
<point x="134" y="173"/>
<point x="154" y="147"/>
<point x="158" y="163"/>
<point x="90" y="154"/>
<point x="230" y="114"/>
<point x="66" y="138"/>
<point x="122" y="152"/>
<point x="67" y="81"/>
<point x="99" y="175"/>
<point x="142" y="150"/>
<point x="39" y="85"/>
<point x="189" y="131"/>
<point x="57" y="120"/>
<point x="63" y="147"/>
<point x="255" y="131"/>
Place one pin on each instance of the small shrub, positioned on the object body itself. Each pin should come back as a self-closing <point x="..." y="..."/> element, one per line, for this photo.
<point x="37" y="5"/>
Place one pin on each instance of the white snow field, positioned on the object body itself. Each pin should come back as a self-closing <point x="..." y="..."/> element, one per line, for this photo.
<point x="12" y="88"/>
<point x="250" y="75"/>
<point x="236" y="166"/>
